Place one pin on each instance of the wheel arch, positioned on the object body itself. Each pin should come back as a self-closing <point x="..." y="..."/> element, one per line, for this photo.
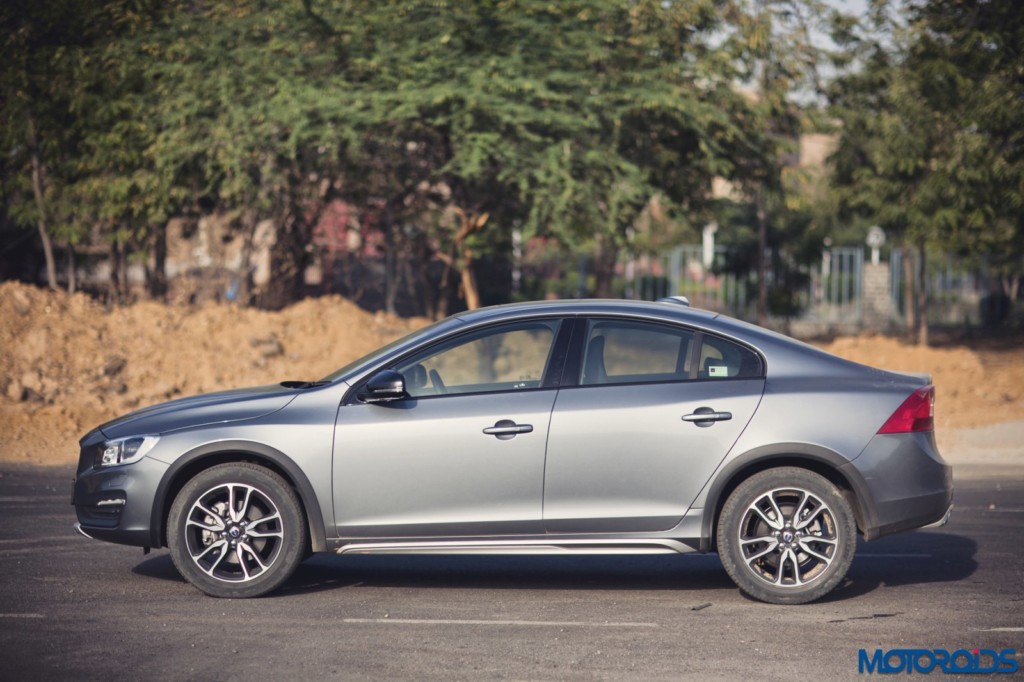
<point x="826" y="463"/>
<point x="223" y="452"/>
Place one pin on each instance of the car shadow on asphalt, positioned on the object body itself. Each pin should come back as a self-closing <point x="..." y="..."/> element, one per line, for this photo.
<point x="906" y="559"/>
<point x="915" y="558"/>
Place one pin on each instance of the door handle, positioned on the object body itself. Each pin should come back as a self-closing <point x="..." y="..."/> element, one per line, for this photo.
<point x="705" y="416"/>
<point x="504" y="429"/>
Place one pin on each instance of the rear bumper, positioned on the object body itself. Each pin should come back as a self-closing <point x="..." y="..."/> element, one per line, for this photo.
<point x="905" y="484"/>
<point x="943" y="521"/>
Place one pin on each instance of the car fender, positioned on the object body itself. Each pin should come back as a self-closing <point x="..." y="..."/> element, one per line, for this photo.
<point x="811" y="456"/>
<point x="211" y="454"/>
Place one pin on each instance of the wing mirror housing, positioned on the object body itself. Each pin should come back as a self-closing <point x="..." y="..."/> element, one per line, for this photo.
<point x="385" y="386"/>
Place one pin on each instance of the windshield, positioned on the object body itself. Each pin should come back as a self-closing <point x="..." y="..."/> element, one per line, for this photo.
<point x="381" y="352"/>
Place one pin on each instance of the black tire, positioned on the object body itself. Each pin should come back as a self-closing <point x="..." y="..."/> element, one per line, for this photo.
<point x="794" y="558"/>
<point x="247" y="553"/>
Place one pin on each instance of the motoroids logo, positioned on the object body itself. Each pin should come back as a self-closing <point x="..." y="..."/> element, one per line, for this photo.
<point x="959" y="662"/>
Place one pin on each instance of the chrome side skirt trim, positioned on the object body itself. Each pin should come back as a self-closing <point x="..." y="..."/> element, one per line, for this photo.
<point x="527" y="547"/>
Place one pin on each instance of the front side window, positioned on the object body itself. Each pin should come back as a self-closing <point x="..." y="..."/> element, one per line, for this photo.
<point x="507" y="358"/>
<point x="622" y="352"/>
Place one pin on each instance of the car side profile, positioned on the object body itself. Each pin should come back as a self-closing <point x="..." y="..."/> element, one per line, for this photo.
<point x="579" y="427"/>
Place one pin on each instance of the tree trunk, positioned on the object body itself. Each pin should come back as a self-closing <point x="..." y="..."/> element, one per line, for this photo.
<point x="245" y="284"/>
<point x="922" y="296"/>
<point x="157" y="279"/>
<point x="470" y="287"/>
<point x="72" y="280"/>
<point x="468" y="223"/>
<point x="606" y="255"/>
<point x="762" y="258"/>
<point x="118" y="275"/>
<point x="287" y="261"/>
<point x="37" y="190"/>
<point x="390" y="261"/>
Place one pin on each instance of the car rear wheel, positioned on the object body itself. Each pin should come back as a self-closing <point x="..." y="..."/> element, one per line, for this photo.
<point x="236" y="530"/>
<point x="786" y="536"/>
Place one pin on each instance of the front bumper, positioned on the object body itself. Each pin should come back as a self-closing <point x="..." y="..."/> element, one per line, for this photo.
<point x="905" y="484"/>
<point x="115" y="504"/>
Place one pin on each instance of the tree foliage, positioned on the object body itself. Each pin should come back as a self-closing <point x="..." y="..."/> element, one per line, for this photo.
<point x="932" y="120"/>
<point x="598" y="124"/>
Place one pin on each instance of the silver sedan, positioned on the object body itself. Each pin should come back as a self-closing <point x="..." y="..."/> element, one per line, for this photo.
<point x="569" y="427"/>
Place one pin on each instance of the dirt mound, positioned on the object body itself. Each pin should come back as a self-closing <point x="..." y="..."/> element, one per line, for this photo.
<point x="68" y="364"/>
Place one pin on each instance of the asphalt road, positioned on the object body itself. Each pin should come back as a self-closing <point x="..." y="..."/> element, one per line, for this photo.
<point x="73" y="608"/>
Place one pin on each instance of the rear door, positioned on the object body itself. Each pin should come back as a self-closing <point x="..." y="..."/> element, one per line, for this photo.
<point x="655" y="409"/>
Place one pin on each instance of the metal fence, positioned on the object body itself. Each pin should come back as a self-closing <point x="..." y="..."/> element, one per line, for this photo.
<point x="959" y="292"/>
<point x="829" y="291"/>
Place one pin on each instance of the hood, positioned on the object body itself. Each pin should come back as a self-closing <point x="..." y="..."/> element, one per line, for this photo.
<point x="200" y="410"/>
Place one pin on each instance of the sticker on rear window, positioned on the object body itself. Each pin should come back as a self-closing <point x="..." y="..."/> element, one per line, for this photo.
<point x="718" y="371"/>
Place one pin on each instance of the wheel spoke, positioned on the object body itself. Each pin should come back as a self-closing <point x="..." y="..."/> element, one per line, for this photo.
<point x="771" y="548"/>
<point x="763" y="538"/>
<point x="805" y="546"/>
<point x="780" y="519"/>
<point x="804" y="497"/>
<point x="231" y="502"/>
<point x="803" y="523"/>
<point x="206" y="526"/>
<point x="241" y="561"/>
<point x="207" y="550"/>
<point x="816" y="538"/>
<point x="265" y="519"/>
<point x="255" y="555"/>
<point x="774" y="525"/>
<point x="796" y="567"/>
<point x="264" y="534"/>
<point x="789" y="556"/>
<point x="223" y="547"/>
<point x="244" y="508"/>
<point x="209" y="512"/>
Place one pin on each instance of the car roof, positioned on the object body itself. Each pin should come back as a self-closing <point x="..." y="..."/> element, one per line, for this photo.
<point x="674" y="310"/>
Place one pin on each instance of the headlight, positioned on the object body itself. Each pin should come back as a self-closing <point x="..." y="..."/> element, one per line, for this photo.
<point x="124" y="450"/>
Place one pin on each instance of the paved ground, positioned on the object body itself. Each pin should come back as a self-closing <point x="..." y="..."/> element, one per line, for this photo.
<point x="77" y="608"/>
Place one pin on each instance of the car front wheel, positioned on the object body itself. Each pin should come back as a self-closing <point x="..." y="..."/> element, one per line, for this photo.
<point x="236" y="530"/>
<point x="786" y="536"/>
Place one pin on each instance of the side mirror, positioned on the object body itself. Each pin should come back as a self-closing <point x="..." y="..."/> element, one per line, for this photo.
<point x="383" y="387"/>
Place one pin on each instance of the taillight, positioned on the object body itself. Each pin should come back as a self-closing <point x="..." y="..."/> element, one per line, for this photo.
<point x="915" y="414"/>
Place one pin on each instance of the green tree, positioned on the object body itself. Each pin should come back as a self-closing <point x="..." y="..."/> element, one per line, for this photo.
<point x="931" y="145"/>
<point x="777" y="61"/>
<point x="245" y="123"/>
<point x="39" y="50"/>
<point x="562" y="119"/>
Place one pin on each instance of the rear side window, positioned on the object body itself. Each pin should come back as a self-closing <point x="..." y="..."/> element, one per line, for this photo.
<point x="721" y="359"/>
<point x="621" y="352"/>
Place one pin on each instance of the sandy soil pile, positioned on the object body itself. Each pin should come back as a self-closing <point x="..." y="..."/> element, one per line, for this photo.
<point x="67" y="364"/>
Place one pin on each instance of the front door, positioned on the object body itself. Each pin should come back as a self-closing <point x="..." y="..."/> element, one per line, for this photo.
<point x="463" y="454"/>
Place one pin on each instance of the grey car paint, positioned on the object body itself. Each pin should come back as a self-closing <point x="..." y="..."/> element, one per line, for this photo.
<point x="210" y="408"/>
<point x="621" y="458"/>
<point x="603" y="468"/>
<point x="426" y="467"/>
